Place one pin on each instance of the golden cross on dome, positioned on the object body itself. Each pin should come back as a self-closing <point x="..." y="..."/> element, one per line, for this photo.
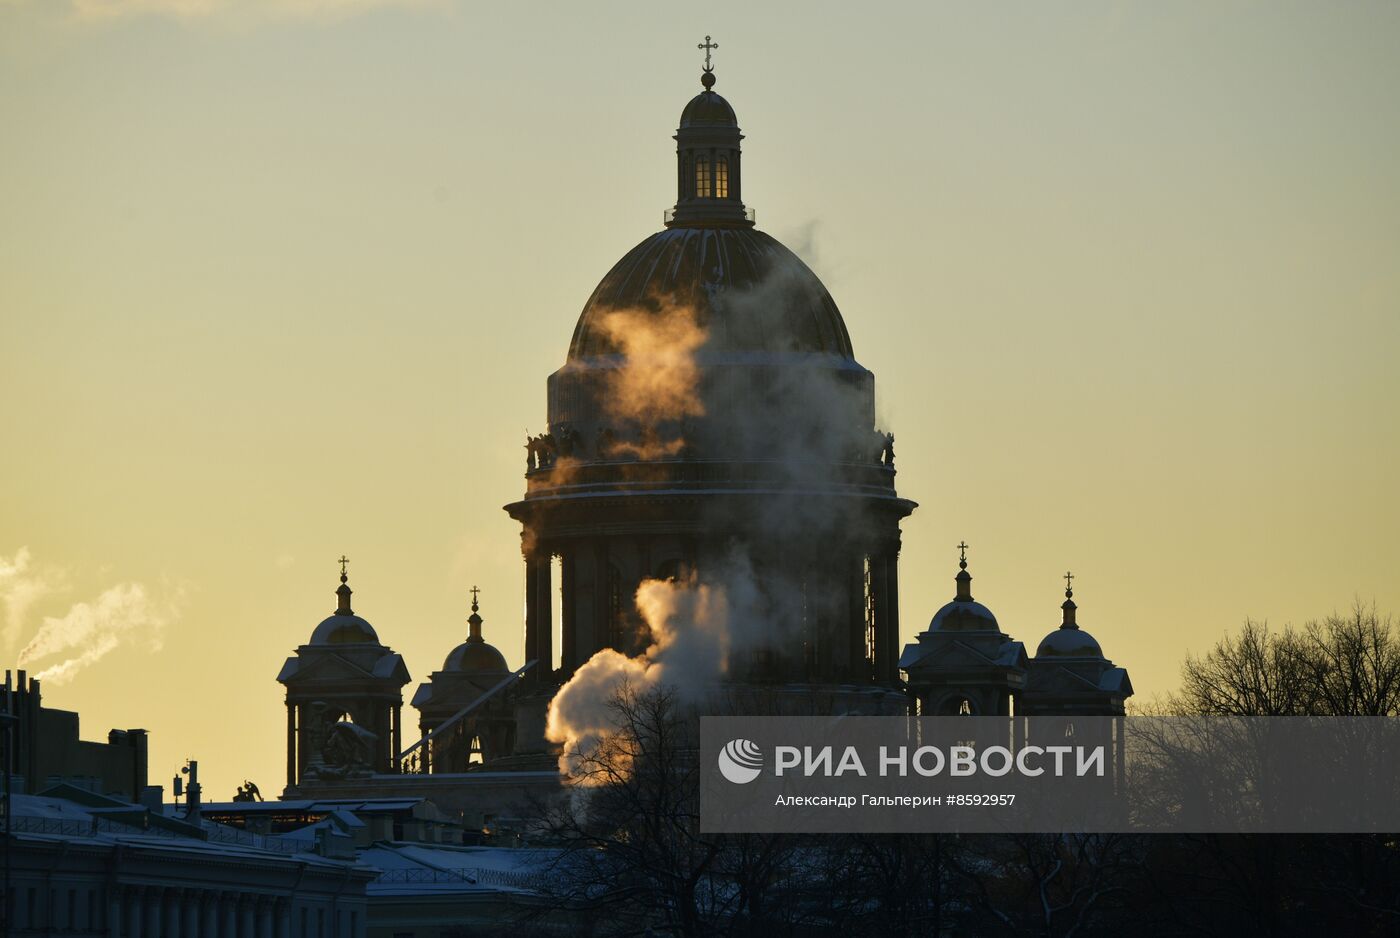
<point x="343" y="561"/>
<point x="1069" y="582"/>
<point x="474" y="591"/>
<point x="962" y="557"/>
<point x="707" y="45"/>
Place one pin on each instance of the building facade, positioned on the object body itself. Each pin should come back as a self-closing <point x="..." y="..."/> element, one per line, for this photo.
<point x="82" y="864"/>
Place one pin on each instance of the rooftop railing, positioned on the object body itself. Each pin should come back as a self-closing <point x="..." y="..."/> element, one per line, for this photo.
<point x="668" y="215"/>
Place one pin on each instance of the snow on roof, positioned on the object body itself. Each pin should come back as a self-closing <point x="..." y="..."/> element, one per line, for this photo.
<point x="409" y="868"/>
<point x="531" y="859"/>
<point x="48" y="818"/>
<point x="347" y="804"/>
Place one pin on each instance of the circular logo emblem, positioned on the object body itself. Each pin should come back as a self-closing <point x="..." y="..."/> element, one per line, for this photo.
<point x="740" y="761"/>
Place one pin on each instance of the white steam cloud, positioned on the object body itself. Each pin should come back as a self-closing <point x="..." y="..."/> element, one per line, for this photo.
<point x="21" y="586"/>
<point x="693" y="625"/>
<point x="64" y="645"/>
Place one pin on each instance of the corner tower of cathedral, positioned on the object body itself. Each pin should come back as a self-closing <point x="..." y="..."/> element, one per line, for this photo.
<point x="711" y="414"/>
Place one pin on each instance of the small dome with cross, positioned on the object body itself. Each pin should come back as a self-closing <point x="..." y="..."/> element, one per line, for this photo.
<point x="343" y="627"/>
<point x="1069" y="640"/>
<point x="964" y="614"/>
<point x="475" y="655"/>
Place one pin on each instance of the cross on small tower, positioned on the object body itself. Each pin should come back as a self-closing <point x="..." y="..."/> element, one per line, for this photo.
<point x="343" y="561"/>
<point x="707" y="45"/>
<point x="1069" y="583"/>
<point x="474" y="591"/>
<point x="962" y="556"/>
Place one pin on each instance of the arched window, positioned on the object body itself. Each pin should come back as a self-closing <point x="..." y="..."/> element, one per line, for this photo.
<point x="702" y="178"/>
<point x="956" y="705"/>
<point x="722" y="178"/>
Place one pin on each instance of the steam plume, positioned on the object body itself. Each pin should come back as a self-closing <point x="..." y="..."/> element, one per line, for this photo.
<point x="657" y="385"/>
<point x="89" y="631"/>
<point x="659" y="377"/>
<point x="20" y="588"/>
<point x="692" y="626"/>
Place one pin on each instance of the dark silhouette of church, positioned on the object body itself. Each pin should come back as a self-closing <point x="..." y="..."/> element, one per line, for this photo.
<point x="749" y="442"/>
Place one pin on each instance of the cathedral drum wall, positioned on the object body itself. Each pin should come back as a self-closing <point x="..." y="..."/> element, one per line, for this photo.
<point x="794" y="407"/>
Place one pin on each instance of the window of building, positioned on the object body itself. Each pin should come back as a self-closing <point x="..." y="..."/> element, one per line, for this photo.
<point x="702" y="178"/>
<point x="722" y="178"/>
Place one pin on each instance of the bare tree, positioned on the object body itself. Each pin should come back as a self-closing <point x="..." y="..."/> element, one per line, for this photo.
<point x="634" y="860"/>
<point x="1351" y="664"/>
<point x="1059" y="885"/>
<point x="1284" y="884"/>
<point x="1341" y="666"/>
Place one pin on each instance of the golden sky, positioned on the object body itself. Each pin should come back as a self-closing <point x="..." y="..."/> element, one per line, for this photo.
<point x="282" y="279"/>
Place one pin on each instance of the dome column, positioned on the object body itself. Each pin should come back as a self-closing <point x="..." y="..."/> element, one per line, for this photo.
<point x="854" y="667"/>
<point x="291" y="743"/>
<point x="568" y="653"/>
<point x="884" y="590"/>
<point x="539" y="616"/>
<point x="397" y="746"/>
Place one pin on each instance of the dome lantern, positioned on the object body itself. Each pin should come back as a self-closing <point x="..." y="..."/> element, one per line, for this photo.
<point x="474" y="620"/>
<point x="343" y="592"/>
<point x="707" y="160"/>
<point x="964" y="579"/>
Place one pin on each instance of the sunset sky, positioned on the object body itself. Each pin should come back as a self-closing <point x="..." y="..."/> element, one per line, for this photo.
<point x="282" y="279"/>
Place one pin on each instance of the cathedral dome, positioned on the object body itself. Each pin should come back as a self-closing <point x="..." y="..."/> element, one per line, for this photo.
<point x="343" y="627"/>
<point x="475" y="655"/>
<point x="1069" y="640"/>
<point x="964" y="614"/>
<point x="1069" y="643"/>
<point x="338" y="629"/>
<point x="749" y="292"/>
<point x="708" y="108"/>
